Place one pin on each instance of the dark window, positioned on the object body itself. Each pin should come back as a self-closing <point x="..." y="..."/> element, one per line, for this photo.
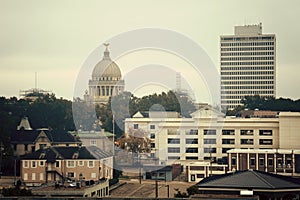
<point x="261" y="162"/>
<point x="192" y="177"/>
<point x="227" y="132"/>
<point x="233" y="161"/>
<point x="210" y="150"/>
<point x="191" y="150"/>
<point x="200" y="175"/>
<point x="246" y="141"/>
<point x="224" y="150"/>
<point x="152" y="126"/>
<point x="71" y="174"/>
<point x="192" y="132"/>
<point x="227" y="141"/>
<point x="57" y="164"/>
<point x="246" y="132"/>
<point x="209" y="141"/>
<point x="270" y="162"/>
<point x="26" y="147"/>
<point x="173" y="157"/>
<point x="191" y="141"/>
<point x="252" y="161"/>
<point x="152" y="145"/>
<point x="135" y="126"/>
<point x="191" y="158"/>
<point x="152" y="136"/>
<point x="173" y="141"/>
<point x="265" y="132"/>
<point x="173" y="150"/>
<point x="209" y="132"/>
<point x="265" y="141"/>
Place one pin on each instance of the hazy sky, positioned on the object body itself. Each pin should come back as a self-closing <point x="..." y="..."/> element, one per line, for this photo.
<point x="54" y="37"/>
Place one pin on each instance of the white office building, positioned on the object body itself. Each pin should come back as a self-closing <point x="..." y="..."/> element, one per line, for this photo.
<point x="208" y="134"/>
<point x="247" y="65"/>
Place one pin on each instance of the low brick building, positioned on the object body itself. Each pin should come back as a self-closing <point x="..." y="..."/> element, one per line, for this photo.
<point x="58" y="164"/>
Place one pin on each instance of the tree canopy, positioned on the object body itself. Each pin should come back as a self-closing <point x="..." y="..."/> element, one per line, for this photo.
<point x="267" y="103"/>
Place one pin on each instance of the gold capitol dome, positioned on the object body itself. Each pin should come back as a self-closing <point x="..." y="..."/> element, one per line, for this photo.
<point x="106" y="80"/>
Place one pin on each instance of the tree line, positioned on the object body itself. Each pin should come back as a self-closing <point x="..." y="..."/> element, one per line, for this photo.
<point x="266" y="103"/>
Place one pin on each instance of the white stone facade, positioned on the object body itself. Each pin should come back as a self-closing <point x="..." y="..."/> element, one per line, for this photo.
<point x="209" y="134"/>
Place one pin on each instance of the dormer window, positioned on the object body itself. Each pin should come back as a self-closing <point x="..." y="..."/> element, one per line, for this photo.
<point x="75" y="156"/>
<point x="42" y="155"/>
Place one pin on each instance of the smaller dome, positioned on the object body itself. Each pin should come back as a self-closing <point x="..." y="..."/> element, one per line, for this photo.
<point x="106" y="67"/>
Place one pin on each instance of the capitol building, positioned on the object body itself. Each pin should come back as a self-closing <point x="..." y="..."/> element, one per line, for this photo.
<point x="106" y="81"/>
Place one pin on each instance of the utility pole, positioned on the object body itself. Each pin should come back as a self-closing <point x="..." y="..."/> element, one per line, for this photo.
<point x="210" y="158"/>
<point x="1" y="149"/>
<point x="156" y="185"/>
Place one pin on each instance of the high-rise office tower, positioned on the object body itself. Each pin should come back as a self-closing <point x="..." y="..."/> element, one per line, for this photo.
<point x="248" y="65"/>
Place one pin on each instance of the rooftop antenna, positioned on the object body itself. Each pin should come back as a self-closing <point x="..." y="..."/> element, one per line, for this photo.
<point x="178" y="81"/>
<point x="35" y="85"/>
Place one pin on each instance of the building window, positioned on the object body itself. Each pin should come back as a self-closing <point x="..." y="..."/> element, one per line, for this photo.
<point x="173" y="157"/>
<point x="135" y="126"/>
<point x="252" y="161"/>
<point x="173" y="141"/>
<point x="33" y="164"/>
<point x="210" y="150"/>
<point x="41" y="176"/>
<point x="270" y="162"/>
<point x="152" y="126"/>
<point x="25" y="164"/>
<point x="42" y="163"/>
<point x="192" y="132"/>
<point x="209" y="132"/>
<point x="91" y="163"/>
<point x="265" y="141"/>
<point x="152" y="136"/>
<point x="80" y="163"/>
<point x="152" y="145"/>
<point x="42" y="146"/>
<point x="279" y="162"/>
<point x="265" y="132"/>
<point x="57" y="164"/>
<point x="191" y="150"/>
<point x="233" y="161"/>
<point x="209" y="141"/>
<point x="93" y="142"/>
<point x="191" y="158"/>
<point x="33" y="176"/>
<point x="261" y="162"/>
<point x="247" y="132"/>
<point x="224" y="150"/>
<point x="71" y="174"/>
<point x="70" y="163"/>
<point x="191" y="141"/>
<point x="227" y="141"/>
<point x="173" y="150"/>
<point x="227" y="132"/>
<point x="193" y="177"/>
<point x="25" y="177"/>
<point x="93" y="175"/>
<point x="246" y="141"/>
<point x="26" y="147"/>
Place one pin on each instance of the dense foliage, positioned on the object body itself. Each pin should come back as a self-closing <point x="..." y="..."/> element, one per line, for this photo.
<point x="271" y="103"/>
